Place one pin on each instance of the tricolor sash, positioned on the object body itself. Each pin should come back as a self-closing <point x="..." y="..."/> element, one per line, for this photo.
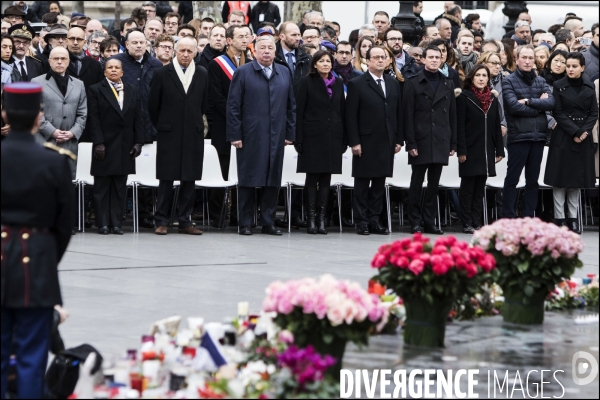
<point x="226" y="65"/>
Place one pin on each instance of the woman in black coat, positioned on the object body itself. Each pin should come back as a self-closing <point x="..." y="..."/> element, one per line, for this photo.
<point x="115" y="127"/>
<point x="571" y="163"/>
<point x="480" y="144"/>
<point x="319" y="134"/>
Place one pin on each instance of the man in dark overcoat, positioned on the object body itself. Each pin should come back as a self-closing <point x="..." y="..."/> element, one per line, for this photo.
<point x="261" y="120"/>
<point x="430" y="126"/>
<point x="177" y="100"/>
<point x="36" y="198"/>
<point x="116" y="130"/>
<point x="374" y="126"/>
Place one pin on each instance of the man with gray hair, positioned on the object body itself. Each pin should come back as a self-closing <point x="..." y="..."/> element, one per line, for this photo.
<point x="445" y="28"/>
<point x="547" y="38"/>
<point x="177" y="101"/>
<point x="522" y="33"/>
<point x="93" y="45"/>
<point x="258" y="88"/>
<point x="316" y="18"/>
<point x="367" y="30"/>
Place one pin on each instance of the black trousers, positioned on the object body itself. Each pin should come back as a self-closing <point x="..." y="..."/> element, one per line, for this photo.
<point x="184" y="207"/>
<point x="109" y="198"/>
<point x="472" y="191"/>
<point x="368" y="201"/>
<point x="521" y="155"/>
<point x="429" y="211"/>
<point x="247" y="205"/>
<point x="324" y="180"/>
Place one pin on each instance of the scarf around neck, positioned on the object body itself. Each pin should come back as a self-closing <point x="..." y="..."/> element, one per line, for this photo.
<point x="185" y="78"/>
<point x="118" y="88"/>
<point x="329" y="82"/>
<point x="468" y="61"/>
<point x="496" y="79"/>
<point x="528" y="77"/>
<point x="343" y="70"/>
<point x="61" y="81"/>
<point x="444" y="70"/>
<point x="484" y="97"/>
<point x="234" y="58"/>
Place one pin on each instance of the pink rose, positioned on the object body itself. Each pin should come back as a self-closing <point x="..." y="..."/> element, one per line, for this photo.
<point x="335" y="315"/>
<point x="439" y="268"/>
<point x="286" y="336"/>
<point x="416" y="266"/>
<point x="285" y="306"/>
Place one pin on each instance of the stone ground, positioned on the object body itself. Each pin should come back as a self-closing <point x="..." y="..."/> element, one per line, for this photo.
<point x="116" y="286"/>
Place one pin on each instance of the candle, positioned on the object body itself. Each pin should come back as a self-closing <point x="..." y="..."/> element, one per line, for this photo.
<point x="243" y="307"/>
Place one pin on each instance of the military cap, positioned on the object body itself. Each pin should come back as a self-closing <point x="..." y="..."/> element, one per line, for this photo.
<point x="22" y="96"/>
<point x="23" y="31"/>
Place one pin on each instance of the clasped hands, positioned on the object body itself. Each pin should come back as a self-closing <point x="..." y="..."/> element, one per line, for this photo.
<point x="100" y="151"/>
<point x="62" y="136"/>
<point x="462" y="159"/>
<point x="357" y="150"/>
<point x="415" y="153"/>
<point x="238" y="143"/>
<point x="580" y="138"/>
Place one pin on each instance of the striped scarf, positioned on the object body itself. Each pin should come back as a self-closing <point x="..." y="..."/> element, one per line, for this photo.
<point x="118" y="87"/>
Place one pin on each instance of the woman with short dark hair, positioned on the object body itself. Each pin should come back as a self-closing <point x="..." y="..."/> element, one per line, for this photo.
<point x="571" y="163"/>
<point x="447" y="60"/>
<point x="320" y="135"/>
<point x="480" y="144"/>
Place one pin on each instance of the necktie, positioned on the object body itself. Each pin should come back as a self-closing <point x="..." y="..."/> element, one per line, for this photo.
<point x="23" y="72"/>
<point x="380" y="86"/>
<point x="290" y="61"/>
<point x="267" y="72"/>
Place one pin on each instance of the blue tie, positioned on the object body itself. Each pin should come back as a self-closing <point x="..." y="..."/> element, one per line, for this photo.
<point x="290" y="61"/>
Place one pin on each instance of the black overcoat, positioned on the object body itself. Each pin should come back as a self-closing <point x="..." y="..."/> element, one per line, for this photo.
<point x="374" y="122"/>
<point x="177" y="117"/>
<point x="216" y="106"/>
<point x="570" y="164"/>
<point x="262" y="114"/>
<point x="90" y="74"/>
<point x="117" y="130"/>
<point x="479" y="135"/>
<point x="429" y="119"/>
<point x="320" y="125"/>
<point x="37" y="192"/>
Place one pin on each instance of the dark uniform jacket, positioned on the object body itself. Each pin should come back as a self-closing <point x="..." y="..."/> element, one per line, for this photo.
<point x="479" y="135"/>
<point x="570" y="164"/>
<point x="320" y="125"/>
<point x="177" y="116"/>
<point x="36" y="221"/>
<point x="374" y="122"/>
<point x="429" y="119"/>
<point x="117" y="129"/>
<point x="33" y="65"/>
<point x="218" y="91"/>
<point x="302" y="63"/>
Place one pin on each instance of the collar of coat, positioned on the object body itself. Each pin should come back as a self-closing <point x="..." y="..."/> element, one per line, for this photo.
<point x="453" y="20"/>
<point x="564" y="82"/>
<point x="49" y="75"/>
<point x="299" y="53"/>
<point x="144" y="57"/>
<point x="233" y="59"/>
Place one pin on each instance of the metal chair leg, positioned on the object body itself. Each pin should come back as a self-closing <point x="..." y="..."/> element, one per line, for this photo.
<point x="82" y="199"/>
<point x="289" y="195"/>
<point x="439" y="216"/>
<point x="237" y="206"/>
<point x="389" y="215"/>
<point x="339" y="197"/>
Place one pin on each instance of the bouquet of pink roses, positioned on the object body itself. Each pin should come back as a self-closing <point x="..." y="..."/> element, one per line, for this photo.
<point x="325" y="313"/>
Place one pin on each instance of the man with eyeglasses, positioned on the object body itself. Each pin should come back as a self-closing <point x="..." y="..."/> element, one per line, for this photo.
<point x="215" y="47"/>
<point x="312" y="35"/>
<point x="374" y="127"/>
<point x="14" y="15"/>
<point x="56" y="37"/>
<point x="25" y="68"/>
<point x="150" y="9"/>
<point x="163" y="48"/>
<point x="407" y="65"/>
<point x="171" y="21"/>
<point x="93" y="45"/>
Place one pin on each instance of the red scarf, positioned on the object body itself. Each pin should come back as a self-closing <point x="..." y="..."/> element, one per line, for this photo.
<point x="484" y="97"/>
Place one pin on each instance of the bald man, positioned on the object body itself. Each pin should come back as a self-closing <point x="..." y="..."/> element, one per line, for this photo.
<point x="92" y="26"/>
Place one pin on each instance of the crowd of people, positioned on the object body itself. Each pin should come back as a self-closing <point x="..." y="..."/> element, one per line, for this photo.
<point x="257" y="84"/>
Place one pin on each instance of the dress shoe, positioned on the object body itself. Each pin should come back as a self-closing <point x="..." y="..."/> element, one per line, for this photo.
<point x="190" y="230"/>
<point x="245" y="231"/>
<point x="468" y="229"/>
<point x="573" y="225"/>
<point x="147" y="223"/>
<point x="271" y="230"/>
<point x="103" y="230"/>
<point x="117" y="230"/>
<point x="561" y="222"/>
<point x="362" y="229"/>
<point x="477" y="227"/>
<point x="73" y="232"/>
<point x="161" y="230"/>
<point x="298" y="223"/>
<point x="377" y="229"/>
<point x="416" y="229"/>
<point x="433" y="230"/>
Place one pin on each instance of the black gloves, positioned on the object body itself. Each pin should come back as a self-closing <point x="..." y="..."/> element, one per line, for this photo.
<point x="298" y="147"/>
<point x="99" y="152"/>
<point x="136" y="151"/>
<point x="595" y="147"/>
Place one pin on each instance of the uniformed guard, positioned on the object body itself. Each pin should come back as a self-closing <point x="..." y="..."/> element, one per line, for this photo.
<point x="36" y="197"/>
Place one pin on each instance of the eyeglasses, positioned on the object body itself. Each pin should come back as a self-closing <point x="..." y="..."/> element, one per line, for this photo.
<point x="95" y="42"/>
<point x="59" y="38"/>
<point x="76" y="39"/>
<point x="344" y="53"/>
<point x="162" y="46"/>
<point x="495" y="63"/>
<point x="20" y="43"/>
<point x="377" y="58"/>
<point x="394" y="39"/>
<point x="61" y="59"/>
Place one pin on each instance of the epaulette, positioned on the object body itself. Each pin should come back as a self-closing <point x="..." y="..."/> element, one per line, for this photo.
<point x="36" y="59"/>
<point x="60" y="150"/>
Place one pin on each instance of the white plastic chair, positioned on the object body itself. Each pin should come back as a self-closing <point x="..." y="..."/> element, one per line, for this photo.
<point x="450" y="180"/>
<point x="212" y="177"/>
<point x="344" y="180"/>
<point x="83" y="177"/>
<point x="289" y="178"/>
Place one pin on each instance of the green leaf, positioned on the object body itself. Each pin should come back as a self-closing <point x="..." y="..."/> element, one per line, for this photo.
<point x="522" y="267"/>
<point x="439" y="288"/>
<point x="327" y="338"/>
<point x="556" y="270"/>
<point x="528" y="290"/>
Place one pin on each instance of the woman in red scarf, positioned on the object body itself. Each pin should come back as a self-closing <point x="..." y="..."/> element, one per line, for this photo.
<point x="479" y="143"/>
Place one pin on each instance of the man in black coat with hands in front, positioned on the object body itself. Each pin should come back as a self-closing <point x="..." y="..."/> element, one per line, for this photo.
<point x="430" y="126"/>
<point x="373" y="121"/>
<point x="176" y="103"/>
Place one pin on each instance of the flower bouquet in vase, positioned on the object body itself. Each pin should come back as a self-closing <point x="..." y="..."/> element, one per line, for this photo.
<point x="532" y="257"/>
<point x="429" y="278"/>
<point x="326" y="313"/>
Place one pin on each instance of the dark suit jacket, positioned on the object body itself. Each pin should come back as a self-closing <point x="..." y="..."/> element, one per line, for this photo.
<point x="218" y="91"/>
<point x="429" y="119"/>
<point x="117" y="129"/>
<point x="90" y="74"/>
<point x="374" y="122"/>
<point x="177" y="116"/>
<point x="34" y="68"/>
<point x="320" y="125"/>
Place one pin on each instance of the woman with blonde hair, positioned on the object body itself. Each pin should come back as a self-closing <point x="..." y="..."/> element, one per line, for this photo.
<point x="391" y="69"/>
<point x="363" y="45"/>
<point x="542" y="53"/>
<point x="493" y="62"/>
